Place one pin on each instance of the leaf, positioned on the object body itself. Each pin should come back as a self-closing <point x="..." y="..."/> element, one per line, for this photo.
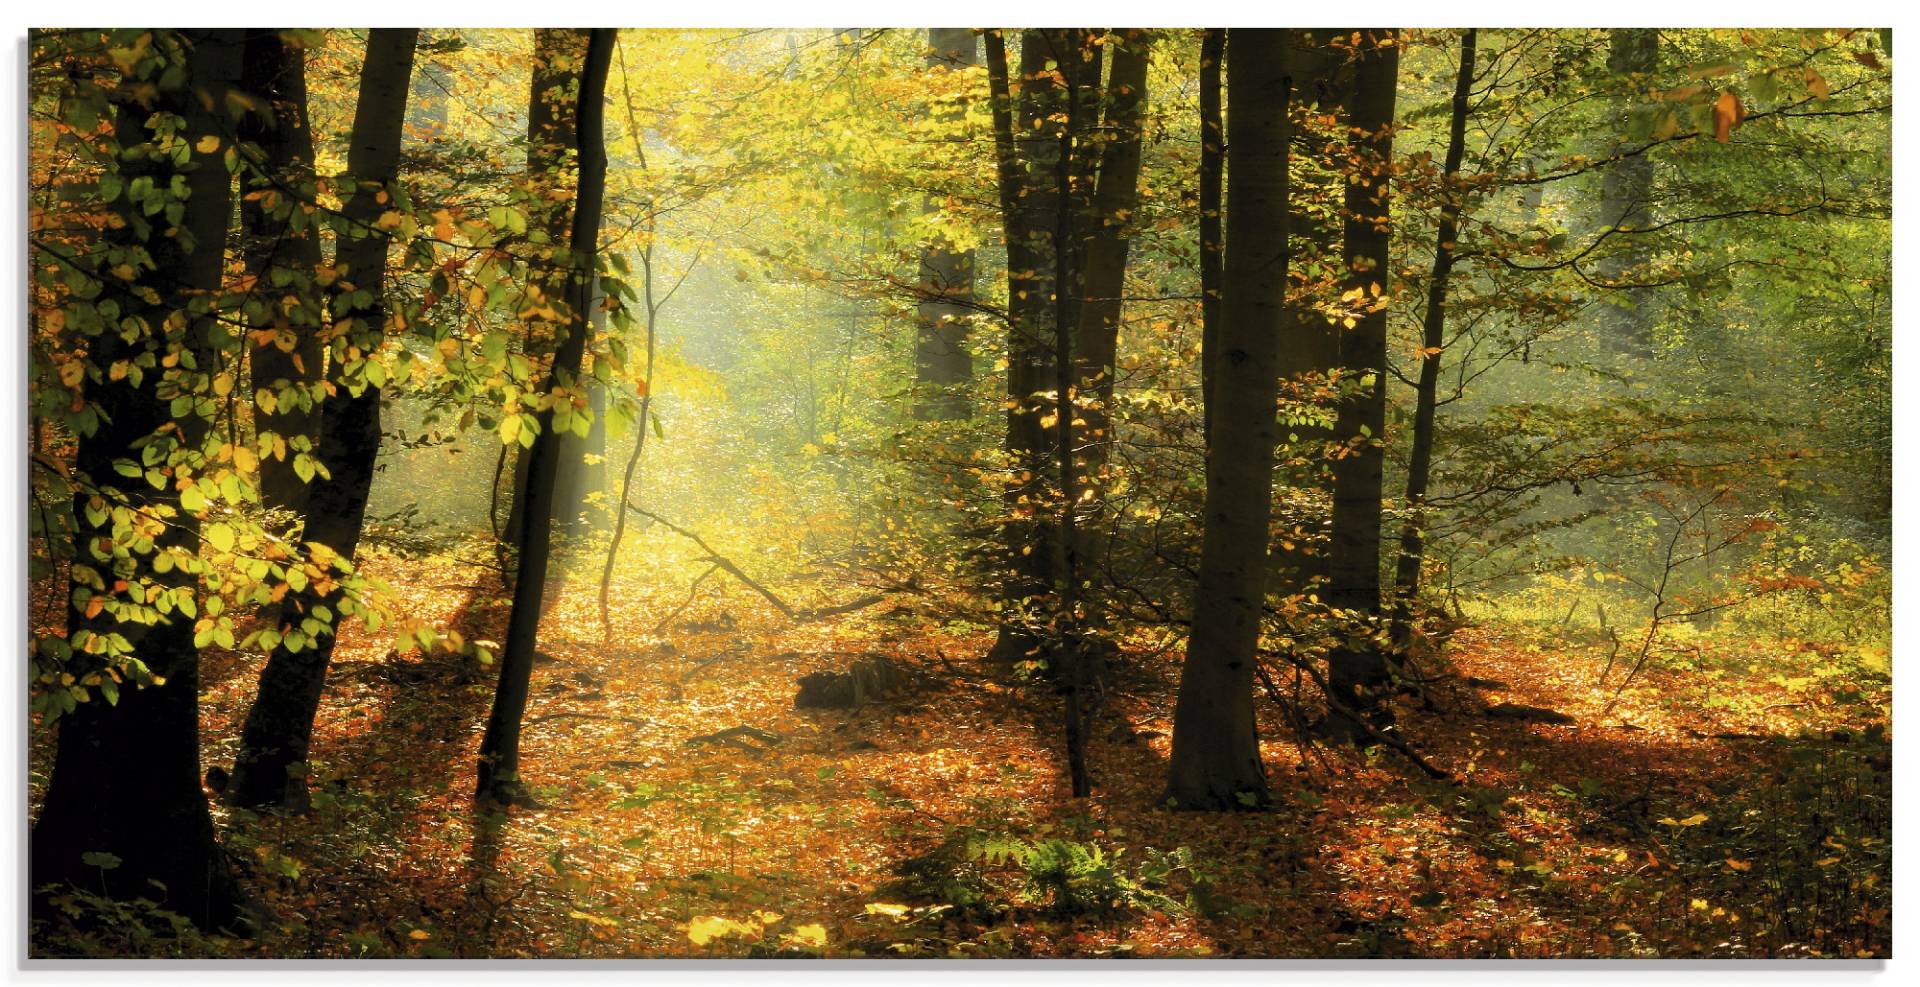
<point x="812" y="934"/>
<point x="208" y="144"/>
<point x="1727" y="114"/>
<point x="219" y="536"/>
<point x="100" y="859"/>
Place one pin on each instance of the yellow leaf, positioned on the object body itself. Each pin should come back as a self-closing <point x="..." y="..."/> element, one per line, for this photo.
<point x="208" y="144"/>
<point x="810" y="935"/>
<point x="419" y="935"/>
<point x="706" y="928"/>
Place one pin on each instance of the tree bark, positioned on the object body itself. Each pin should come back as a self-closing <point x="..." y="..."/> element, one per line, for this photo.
<point x="126" y="774"/>
<point x="499" y="768"/>
<point x="1358" y="668"/>
<point x="1433" y="339"/>
<point x="1626" y="202"/>
<point x="1106" y="235"/>
<point x="270" y="769"/>
<point x="1029" y="196"/>
<point x="943" y="366"/>
<point x="1215" y="762"/>
<point x="583" y="459"/>
<point x="281" y="253"/>
<point x="1213" y="51"/>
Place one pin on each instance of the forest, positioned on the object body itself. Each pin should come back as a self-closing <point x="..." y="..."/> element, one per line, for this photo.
<point x="958" y="493"/>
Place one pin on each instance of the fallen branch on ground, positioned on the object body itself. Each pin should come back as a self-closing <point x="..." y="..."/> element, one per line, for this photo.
<point x="725" y="564"/>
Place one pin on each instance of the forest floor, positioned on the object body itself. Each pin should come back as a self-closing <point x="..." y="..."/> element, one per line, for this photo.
<point x="936" y="822"/>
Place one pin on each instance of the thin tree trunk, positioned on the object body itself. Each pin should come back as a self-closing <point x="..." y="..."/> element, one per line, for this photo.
<point x="1078" y="63"/>
<point x="1029" y="195"/>
<point x="499" y="781"/>
<point x="1626" y="202"/>
<point x="943" y="367"/>
<point x="1322" y="80"/>
<point x="1433" y="341"/>
<point x="1103" y="280"/>
<point x="1357" y="670"/>
<point x="126" y="774"/>
<point x="281" y="251"/>
<point x="583" y="467"/>
<point x="1213" y="51"/>
<point x="1215" y="763"/>
<point x="270" y="769"/>
<point x="552" y="132"/>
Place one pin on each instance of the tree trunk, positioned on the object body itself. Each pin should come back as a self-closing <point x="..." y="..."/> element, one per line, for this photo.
<point x="1103" y="280"/>
<point x="943" y="366"/>
<point x="270" y="769"/>
<point x="1433" y="341"/>
<point x="281" y="251"/>
<point x="126" y="774"/>
<point x="499" y="781"/>
<point x="1213" y="50"/>
<point x="1029" y="195"/>
<point x="1312" y="351"/>
<point x="1358" y="668"/>
<point x="1626" y="200"/>
<point x="583" y="459"/>
<point x="1215" y="762"/>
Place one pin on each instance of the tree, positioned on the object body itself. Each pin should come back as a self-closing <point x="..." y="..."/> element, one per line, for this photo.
<point x="1433" y="340"/>
<point x="280" y="245"/>
<point x="1358" y="667"/>
<point x="943" y="366"/>
<point x="1030" y="194"/>
<point x="1626" y="203"/>
<point x="274" y="742"/>
<point x="1106" y="235"/>
<point x="1213" y="51"/>
<point x="124" y="811"/>
<point x="499" y="781"/>
<point x="1215" y="763"/>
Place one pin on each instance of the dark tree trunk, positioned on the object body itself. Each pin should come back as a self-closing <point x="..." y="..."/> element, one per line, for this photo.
<point x="1030" y="194"/>
<point x="281" y="255"/>
<point x="583" y="459"/>
<point x="1215" y="762"/>
<point x="1104" y="262"/>
<point x="1626" y="202"/>
<point x="943" y="366"/>
<point x="1358" y="668"/>
<point x="1077" y="60"/>
<point x="499" y="781"/>
<point x="126" y="774"/>
<point x="552" y="132"/>
<point x="1322" y="79"/>
<point x="270" y="769"/>
<point x="1433" y="340"/>
<point x="1213" y="50"/>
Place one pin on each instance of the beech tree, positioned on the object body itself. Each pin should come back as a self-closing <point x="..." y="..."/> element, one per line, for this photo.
<point x="270" y="768"/>
<point x="1215" y="762"/>
<point x="1357" y="669"/>
<point x="124" y="812"/>
<point x="943" y="365"/>
<point x="571" y="292"/>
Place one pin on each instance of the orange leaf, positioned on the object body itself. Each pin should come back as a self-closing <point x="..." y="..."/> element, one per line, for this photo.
<point x="1727" y="114"/>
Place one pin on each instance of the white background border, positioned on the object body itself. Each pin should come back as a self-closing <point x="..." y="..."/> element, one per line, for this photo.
<point x="763" y="13"/>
